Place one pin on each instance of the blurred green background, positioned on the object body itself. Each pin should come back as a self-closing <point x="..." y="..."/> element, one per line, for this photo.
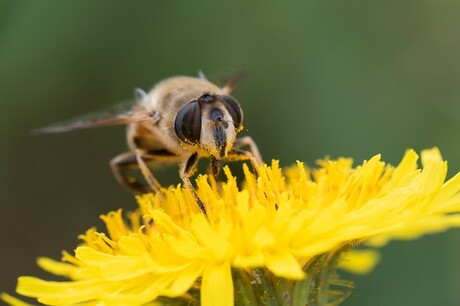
<point x="338" y="78"/>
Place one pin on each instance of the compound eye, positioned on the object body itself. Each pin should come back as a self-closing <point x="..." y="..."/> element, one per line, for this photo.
<point x="187" y="124"/>
<point x="234" y="109"/>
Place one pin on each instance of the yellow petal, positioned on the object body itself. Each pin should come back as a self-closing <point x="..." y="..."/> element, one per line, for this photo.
<point x="359" y="261"/>
<point x="63" y="269"/>
<point x="283" y="264"/>
<point x="184" y="280"/>
<point x="217" y="285"/>
<point x="60" y="293"/>
<point x="11" y="300"/>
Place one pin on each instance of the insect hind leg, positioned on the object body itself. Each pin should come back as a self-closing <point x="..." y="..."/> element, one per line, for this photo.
<point x="186" y="171"/>
<point x="124" y="164"/>
<point x="121" y="166"/>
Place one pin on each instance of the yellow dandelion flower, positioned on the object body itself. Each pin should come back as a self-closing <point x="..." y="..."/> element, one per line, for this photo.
<point x="277" y="239"/>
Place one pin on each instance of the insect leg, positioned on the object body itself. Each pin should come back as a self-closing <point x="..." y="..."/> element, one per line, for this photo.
<point x="121" y="165"/>
<point x="124" y="163"/>
<point x="215" y="168"/>
<point x="248" y="141"/>
<point x="187" y="170"/>
<point x="151" y="180"/>
<point x="242" y="155"/>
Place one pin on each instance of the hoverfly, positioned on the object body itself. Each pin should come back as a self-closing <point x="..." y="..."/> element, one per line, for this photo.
<point x="179" y="121"/>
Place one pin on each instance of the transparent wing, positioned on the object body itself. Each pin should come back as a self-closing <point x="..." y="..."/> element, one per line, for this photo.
<point x="232" y="81"/>
<point x="120" y="114"/>
<point x="228" y="82"/>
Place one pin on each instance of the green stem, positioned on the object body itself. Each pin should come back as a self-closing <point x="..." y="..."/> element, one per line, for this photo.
<point x="322" y="276"/>
<point x="244" y="291"/>
<point x="321" y="287"/>
<point x="264" y="287"/>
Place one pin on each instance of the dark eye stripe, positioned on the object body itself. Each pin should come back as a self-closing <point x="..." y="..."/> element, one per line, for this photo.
<point x="187" y="124"/>
<point x="233" y="108"/>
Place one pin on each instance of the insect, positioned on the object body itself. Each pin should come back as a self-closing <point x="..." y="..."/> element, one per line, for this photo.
<point x="179" y="121"/>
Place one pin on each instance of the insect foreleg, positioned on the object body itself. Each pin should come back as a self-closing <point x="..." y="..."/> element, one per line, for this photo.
<point x="215" y="168"/>
<point x="242" y="155"/>
<point x="187" y="170"/>
<point x="248" y="141"/>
